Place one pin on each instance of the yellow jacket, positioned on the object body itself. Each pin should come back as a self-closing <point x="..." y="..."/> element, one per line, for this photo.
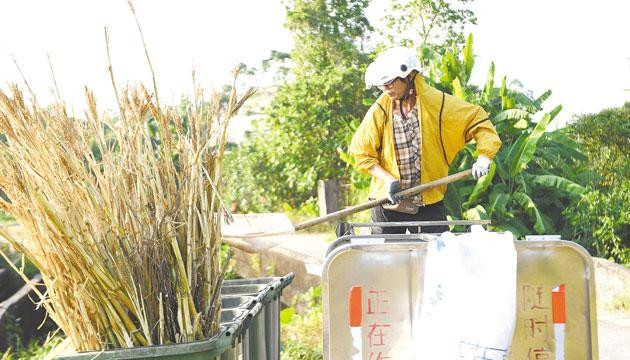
<point x="447" y="124"/>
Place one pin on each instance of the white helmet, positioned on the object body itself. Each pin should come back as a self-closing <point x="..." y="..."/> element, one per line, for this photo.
<point x="391" y="64"/>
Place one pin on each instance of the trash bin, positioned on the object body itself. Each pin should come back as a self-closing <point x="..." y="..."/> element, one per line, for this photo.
<point x="237" y="301"/>
<point x="265" y="333"/>
<point x="391" y="266"/>
<point x="248" y="328"/>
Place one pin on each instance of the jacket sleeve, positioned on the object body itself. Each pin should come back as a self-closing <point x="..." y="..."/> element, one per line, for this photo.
<point x="474" y="123"/>
<point x="366" y="142"/>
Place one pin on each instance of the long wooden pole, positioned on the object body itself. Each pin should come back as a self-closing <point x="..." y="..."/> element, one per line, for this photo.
<point x="370" y="204"/>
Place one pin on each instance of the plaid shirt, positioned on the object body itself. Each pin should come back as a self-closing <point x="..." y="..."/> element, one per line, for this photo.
<point x="408" y="144"/>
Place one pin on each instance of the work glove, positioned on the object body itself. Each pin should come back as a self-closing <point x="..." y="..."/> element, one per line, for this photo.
<point x="481" y="167"/>
<point x="393" y="186"/>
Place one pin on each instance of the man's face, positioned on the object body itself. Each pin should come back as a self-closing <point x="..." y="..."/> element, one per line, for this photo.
<point x="395" y="89"/>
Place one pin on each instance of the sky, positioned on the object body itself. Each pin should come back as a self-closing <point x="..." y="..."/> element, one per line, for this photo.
<point x="211" y="36"/>
<point x="578" y="49"/>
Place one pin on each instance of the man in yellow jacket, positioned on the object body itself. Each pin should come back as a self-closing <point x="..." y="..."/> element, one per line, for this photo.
<point x="410" y="135"/>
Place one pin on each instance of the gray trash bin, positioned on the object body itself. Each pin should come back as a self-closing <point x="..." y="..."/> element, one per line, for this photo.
<point x="394" y="264"/>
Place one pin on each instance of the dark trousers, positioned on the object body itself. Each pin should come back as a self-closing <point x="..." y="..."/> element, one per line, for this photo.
<point x="433" y="212"/>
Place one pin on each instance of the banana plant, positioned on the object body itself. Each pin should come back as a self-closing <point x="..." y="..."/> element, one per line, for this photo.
<point x="526" y="188"/>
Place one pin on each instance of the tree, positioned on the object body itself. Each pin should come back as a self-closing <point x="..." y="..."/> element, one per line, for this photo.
<point x="439" y="24"/>
<point x="310" y="113"/>
<point x="601" y="220"/>
<point x="605" y="138"/>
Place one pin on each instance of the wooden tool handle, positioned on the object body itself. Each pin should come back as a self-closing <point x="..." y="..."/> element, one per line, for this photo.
<point x="370" y="204"/>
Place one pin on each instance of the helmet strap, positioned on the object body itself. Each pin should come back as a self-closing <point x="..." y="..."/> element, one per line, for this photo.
<point x="402" y="113"/>
<point x="408" y="91"/>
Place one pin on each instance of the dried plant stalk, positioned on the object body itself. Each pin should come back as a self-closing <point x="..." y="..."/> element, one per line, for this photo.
<point x="123" y="214"/>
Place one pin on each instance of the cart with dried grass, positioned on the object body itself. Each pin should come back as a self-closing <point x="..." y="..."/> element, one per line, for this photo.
<point x="123" y="214"/>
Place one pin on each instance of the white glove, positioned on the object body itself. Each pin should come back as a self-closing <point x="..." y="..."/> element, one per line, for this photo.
<point x="481" y="167"/>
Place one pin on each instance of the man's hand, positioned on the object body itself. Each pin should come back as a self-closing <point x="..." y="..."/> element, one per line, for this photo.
<point x="393" y="186"/>
<point x="481" y="167"/>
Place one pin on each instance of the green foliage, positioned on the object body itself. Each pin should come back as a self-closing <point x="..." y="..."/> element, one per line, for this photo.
<point x="308" y="122"/>
<point x="17" y="337"/>
<point x="526" y="190"/>
<point x="286" y="315"/>
<point x="601" y="222"/>
<point x="249" y="177"/>
<point x="605" y="139"/>
<point x="621" y="302"/>
<point x="311" y="114"/>
<point x="35" y="350"/>
<point x="600" y="219"/>
<point x="230" y="272"/>
<point x="5" y="217"/>
<point x="297" y="351"/>
<point x="14" y="332"/>
<point x="19" y="260"/>
<point x="358" y="180"/>
<point x="302" y="333"/>
<point x="437" y="23"/>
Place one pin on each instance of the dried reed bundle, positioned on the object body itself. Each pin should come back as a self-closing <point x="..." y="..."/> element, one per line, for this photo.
<point x="123" y="215"/>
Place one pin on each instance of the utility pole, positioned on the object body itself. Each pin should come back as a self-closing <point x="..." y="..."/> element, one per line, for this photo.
<point x="627" y="90"/>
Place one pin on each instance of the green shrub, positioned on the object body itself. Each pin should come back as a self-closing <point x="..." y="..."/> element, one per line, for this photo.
<point x="311" y="111"/>
<point x="601" y="222"/>
<point x="19" y="260"/>
<point x="36" y="350"/>
<point x="6" y="217"/>
<point x="302" y="333"/>
<point x="528" y="185"/>
<point x="604" y="138"/>
<point x="621" y="302"/>
<point x="297" y="351"/>
<point x="230" y="272"/>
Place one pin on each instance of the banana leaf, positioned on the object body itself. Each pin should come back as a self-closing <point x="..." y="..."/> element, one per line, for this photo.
<point x="523" y="151"/>
<point x="463" y="160"/>
<point x="515" y="153"/>
<point x="458" y="91"/>
<point x="549" y="223"/>
<point x="469" y="59"/>
<point x="557" y="163"/>
<point x="515" y="226"/>
<point x="557" y="183"/>
<point x="521" y="124"/>
<point x="498" y="200"/>
<point x="569" y="148"/>
<point x="450" y="68"/>
<point x="481" y="186"/>
<point x="539" y="100"/>
<point x="522" y="185"/>
<point x="489" y="86"/>
<point x="507" y="102"/>
<point x="503" y="90"/>
<point x="453" y="202"/>
<point x="511" y="115"/>
<point x="500" y="162"/>
<point x="525" y="102"/>
<point x="528" y="205"/>
<point x="476" y="213"/>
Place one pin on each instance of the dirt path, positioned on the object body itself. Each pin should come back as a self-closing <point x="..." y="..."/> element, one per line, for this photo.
<point x="614" y="335"/>
<point x="612" y="283"/>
